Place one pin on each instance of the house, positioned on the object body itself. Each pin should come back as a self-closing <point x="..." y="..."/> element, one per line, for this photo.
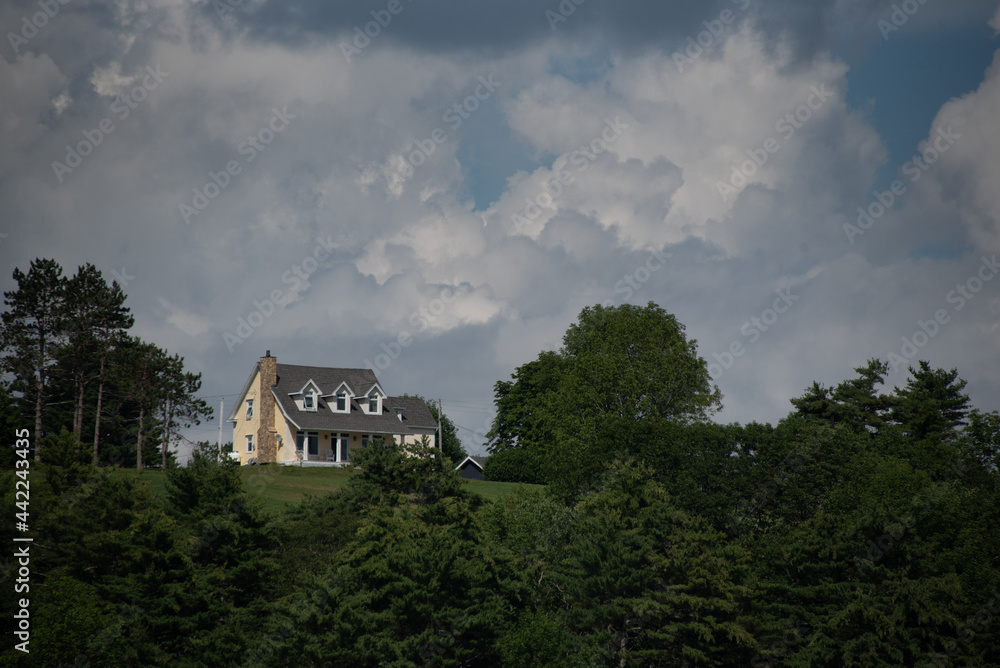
<point x="290" y="414"/>
<point x="472" y="467"/>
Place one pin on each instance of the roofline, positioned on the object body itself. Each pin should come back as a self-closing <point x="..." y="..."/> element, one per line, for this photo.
<point x="243" y="394"/>
<point x="288" y="418"/>
<point x="282" y="409"/>
<point x="469" y="459"/>
<point x="343" y="383"/>
<point x="379" y="386"/>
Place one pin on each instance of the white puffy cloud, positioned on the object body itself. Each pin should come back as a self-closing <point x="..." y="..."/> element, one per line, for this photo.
<point x="324" y="217"/>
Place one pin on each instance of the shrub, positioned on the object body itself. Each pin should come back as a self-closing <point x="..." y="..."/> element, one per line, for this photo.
<point x="514" y="465"/>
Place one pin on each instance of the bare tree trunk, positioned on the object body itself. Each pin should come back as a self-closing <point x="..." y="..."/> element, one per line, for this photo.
<point x="168" y="416"/>
<point x="78" y="410"/>
<point x="39" y="396"/>
<point x="39" y="387"/>
<point x="97" y="419"/>
<point x="138" y="447"/>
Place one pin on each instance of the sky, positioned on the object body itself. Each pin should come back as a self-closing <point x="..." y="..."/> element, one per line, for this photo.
<point x="436" y="188"/>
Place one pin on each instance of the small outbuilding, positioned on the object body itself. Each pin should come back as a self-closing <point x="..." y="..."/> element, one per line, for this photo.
<point x="471" y="467"/>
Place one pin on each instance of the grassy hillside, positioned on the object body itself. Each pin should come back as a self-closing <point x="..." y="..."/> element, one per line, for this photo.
<point x="279" y="486"/>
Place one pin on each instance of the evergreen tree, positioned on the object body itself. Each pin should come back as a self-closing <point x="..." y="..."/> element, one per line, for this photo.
<point x="932" y="405"/>
<point x="855" y="402"/>
<point x="96" y="317"/>
<point x="33" y="327"/>
<point x="179" y="407"/>
<point x="414" y="587"/>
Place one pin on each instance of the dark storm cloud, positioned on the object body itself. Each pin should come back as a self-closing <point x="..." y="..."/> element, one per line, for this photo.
<point x="494" y="26"/>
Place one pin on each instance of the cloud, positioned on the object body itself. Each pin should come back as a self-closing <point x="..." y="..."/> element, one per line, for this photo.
<point x="334" y="176"/>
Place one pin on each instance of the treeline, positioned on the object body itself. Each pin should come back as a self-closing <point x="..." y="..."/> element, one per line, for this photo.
<point x="861" y="530"/>
<point x="70" y="363"/>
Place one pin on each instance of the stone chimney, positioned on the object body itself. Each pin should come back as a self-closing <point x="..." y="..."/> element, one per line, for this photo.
<point x="267" y="443"/>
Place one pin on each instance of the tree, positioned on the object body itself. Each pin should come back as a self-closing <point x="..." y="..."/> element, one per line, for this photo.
<point x="33" y="327"/>
<point x="414" y="586"/>
<point x="451" y="444"/>
<point x="620" y="369"/>
<point x="514" y="465"/>
<point x="520" y="419"/>
<point x="855" y="402"/>
<point x="96" y="316"/>
<point x="179" y="407"/>
<point x="982" y="437"/>
<point x="140" y="366"/>
<point x="932" y="403"/>
<point x="635" y="362"/>
<point x="640" y="582"/>
<point x="9" y="422"/>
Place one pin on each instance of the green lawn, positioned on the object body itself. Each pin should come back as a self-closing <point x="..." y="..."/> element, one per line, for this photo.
<point x="280" y="486"/>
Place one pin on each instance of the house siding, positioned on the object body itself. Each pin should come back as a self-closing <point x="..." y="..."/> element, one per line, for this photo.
<point x="243" y="427"/>
<point x="272" y="388"/>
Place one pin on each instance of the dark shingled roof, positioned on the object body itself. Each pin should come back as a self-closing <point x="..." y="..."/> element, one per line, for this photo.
<point x="473" y="459"/>
<point x="292" y="378"/>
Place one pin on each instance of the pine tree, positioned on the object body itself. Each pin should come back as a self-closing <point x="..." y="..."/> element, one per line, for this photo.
<point x="932" y="404"/>
<point x="96" y="318"/>
<point x="33" y="327"/>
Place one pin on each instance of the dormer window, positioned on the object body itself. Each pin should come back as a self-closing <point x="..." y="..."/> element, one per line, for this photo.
<point x="309" y="401"/>
<point x="249" y="409"/>
<point x="373" y="404"/>
<point x="342" y="402"/>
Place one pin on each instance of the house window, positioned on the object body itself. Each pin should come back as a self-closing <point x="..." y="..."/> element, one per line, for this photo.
<point x="249" y="442"/>
<point x="364" y="440"/>
<point x="313" y="441"/>
<point x="309" y="401"/>
<point x="299" y="440"/>
<point x="345" y="448"/>
<point x="249" y="408"/>
<point x="342" y="402"/>
<point x="373" y="406"/>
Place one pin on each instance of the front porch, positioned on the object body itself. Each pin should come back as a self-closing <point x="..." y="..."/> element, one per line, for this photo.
<point x="312" y="462"/>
